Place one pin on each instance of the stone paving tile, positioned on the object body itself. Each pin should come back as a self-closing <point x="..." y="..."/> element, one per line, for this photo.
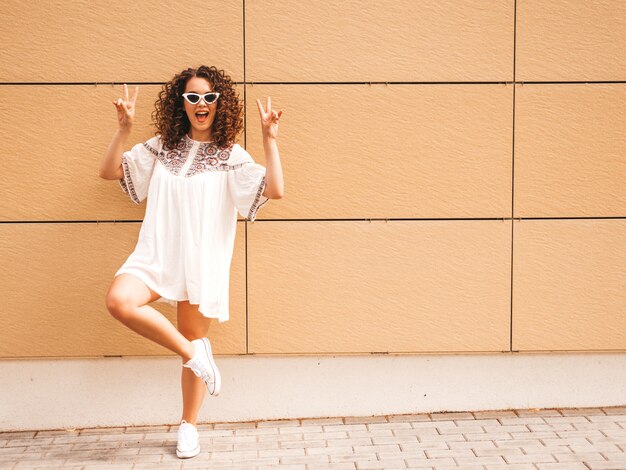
<point x="563" y="466"/>
<point x="302" y="444"/>
<point x="514" y="466"/>
<point x="375" y="464"/>
<point x="49" y="464"/>
<point x="366" y="419"/>
<point x="107" y="430"/>
<point x="333" y="466"/>
<point x="451" y="416"/>
<point x="580" y="457"/>
<point x="321" y="421"/>
<point x="65" y="467"/>
<point x="456" y="467"/>
<point x="18" y="434"/>
<point x="604" y="466"/>
<point x="538" y="412"/>
<point x="162" y="466"/>
<point x="279" y="422"/>
<point x="614" y="410"/>
<point x="585" y="438"/>
<point x="281" y="467"/>
<point x="494" y="414"/>
<point x="419" y="463"/>
<point x="21" y="442"/>
<point x="242" y="425"/>
<point x="583" y="411"/>
<point x="409" y="417"/>
<point x="112" y="466"/>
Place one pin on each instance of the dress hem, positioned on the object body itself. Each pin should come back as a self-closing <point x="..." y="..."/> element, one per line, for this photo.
<point x="167" y="299"/>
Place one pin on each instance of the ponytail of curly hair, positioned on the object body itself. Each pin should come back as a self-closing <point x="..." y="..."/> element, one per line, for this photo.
<point x="171" y="121"/>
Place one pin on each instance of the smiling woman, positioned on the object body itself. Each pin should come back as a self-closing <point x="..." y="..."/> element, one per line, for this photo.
<point x="196" y="178"/>
<point x="224" y="111"/>
<point x="198" y="105"/>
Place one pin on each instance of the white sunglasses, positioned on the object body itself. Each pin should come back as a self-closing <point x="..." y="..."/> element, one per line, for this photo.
<point x="194" y="98"/>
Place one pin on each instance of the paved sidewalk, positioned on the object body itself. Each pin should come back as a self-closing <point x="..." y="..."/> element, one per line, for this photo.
<point x="568" y="439"/>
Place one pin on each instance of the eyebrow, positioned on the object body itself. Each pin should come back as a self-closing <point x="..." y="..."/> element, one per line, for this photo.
<point x="199" y="92"/>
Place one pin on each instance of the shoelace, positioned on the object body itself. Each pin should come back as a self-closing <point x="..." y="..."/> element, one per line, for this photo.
<point x="206" y="377"/>
<point x="200" y="371"/>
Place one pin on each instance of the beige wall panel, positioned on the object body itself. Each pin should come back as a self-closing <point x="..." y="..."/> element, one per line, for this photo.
<point x="569" y="285"/>
<point x="351" y="151"/>
<point x="569" y="150"/>
<point x="85" y="41"/>
<point x="396" y="286"/>
<point x="54" y="279"/>
<point x="357" y="40"/>
<point x="570" y="40"/>
<point x="54" y="156"/>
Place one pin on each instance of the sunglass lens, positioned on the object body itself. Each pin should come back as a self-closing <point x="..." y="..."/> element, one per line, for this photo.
<point x="193" y="99"/>
<point x="210" y="99"/>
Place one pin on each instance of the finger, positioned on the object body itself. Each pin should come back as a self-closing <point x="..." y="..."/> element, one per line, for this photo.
<point x="280" y="113"/>
<point x="260" y="106"/>
<point x="135" y="95"/>
<point x="125" y="92"/>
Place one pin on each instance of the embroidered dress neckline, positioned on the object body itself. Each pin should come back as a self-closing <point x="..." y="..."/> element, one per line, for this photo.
<point x="198" y="141"/>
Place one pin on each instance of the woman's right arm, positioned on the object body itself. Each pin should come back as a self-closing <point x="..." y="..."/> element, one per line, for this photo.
<point x="111" y="166"/>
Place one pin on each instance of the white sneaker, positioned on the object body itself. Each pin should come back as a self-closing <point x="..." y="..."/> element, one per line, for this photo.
<point x="188" y="441"/>
<point x="203" y="365"/>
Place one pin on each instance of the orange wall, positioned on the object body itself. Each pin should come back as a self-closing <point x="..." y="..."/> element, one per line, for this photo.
<point x="454" y="173"/>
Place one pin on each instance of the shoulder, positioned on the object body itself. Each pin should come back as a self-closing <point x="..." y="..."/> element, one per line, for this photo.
<point x="153" y="144"/>
<point x="155" y="141"/>
<point x="238" y="154"/>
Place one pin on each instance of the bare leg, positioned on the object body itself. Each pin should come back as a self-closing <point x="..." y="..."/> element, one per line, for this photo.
<point x="193" y="325"/>
<point x="126" y="301"/>
<point x="194" y="391"/>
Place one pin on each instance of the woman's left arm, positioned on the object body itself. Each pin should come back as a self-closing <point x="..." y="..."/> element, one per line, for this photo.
<point x="274" y="172"/>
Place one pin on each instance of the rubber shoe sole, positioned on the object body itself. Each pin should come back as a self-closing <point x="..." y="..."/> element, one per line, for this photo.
<point x="218" y="378"/>
<point x="187" y="454"/>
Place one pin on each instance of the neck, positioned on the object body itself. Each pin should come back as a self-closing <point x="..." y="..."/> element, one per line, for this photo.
<point x="202" y="136"/>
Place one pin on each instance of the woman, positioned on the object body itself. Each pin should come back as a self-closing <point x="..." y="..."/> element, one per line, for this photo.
<point x="195" y="178"/>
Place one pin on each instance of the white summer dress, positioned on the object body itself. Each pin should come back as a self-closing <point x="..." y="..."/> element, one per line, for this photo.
<point x="186" y="240"/>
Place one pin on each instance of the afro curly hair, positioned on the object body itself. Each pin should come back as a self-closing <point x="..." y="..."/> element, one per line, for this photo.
<point x="171" y="121"/>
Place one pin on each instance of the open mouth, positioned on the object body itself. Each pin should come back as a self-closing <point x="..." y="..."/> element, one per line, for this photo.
<point x="201" y="117"/>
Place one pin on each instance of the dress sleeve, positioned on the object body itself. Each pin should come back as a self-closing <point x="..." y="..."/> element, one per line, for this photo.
<point x="246" y="183"/>
<point x="138" y="164"/>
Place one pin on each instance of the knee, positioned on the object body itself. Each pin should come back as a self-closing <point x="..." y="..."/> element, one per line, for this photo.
<point x="118" y="305"/>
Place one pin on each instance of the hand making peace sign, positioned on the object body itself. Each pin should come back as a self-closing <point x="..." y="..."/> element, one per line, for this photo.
<point x="269" y="119"/>
<point x="126" y="109"/>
